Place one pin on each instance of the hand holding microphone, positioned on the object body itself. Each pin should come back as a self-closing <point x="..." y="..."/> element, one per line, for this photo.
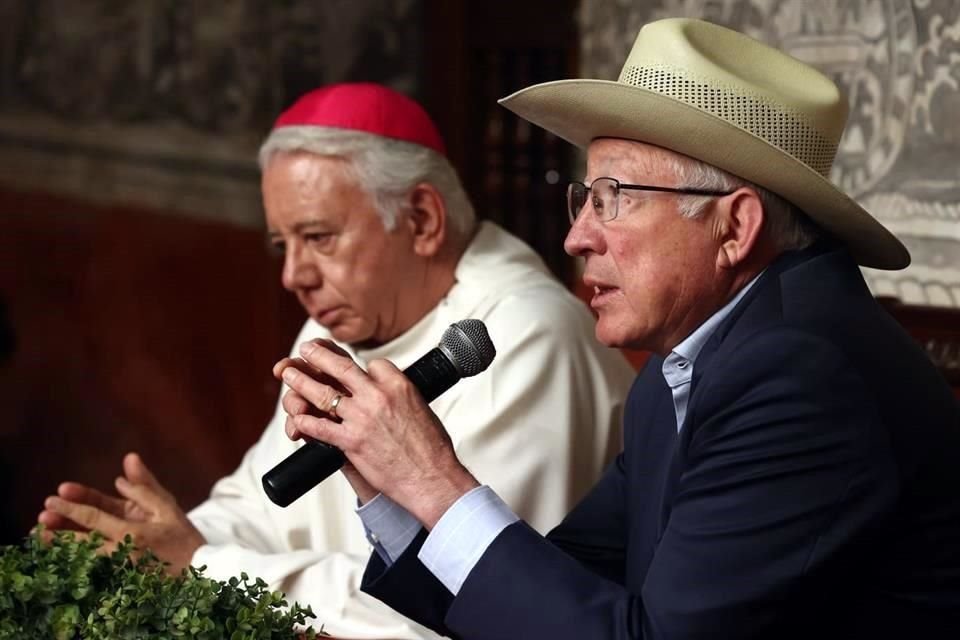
<point x="374" y="404"/>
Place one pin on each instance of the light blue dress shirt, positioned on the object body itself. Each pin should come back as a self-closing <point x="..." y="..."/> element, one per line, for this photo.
<point x="468" y="527"/>
<point x="677" y="367"/>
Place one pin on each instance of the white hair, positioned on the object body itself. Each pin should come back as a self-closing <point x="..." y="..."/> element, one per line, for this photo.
<point x="385" y="168"/>
<point x="784" y="223"/>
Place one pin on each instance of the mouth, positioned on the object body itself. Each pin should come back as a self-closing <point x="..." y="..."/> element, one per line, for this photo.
<point x="326" y="317"/>
<point x="601" y="294"/>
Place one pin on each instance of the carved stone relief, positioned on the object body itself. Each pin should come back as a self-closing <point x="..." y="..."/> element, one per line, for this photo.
<point x="899" y="63"/>
<point x="163" y="103"/>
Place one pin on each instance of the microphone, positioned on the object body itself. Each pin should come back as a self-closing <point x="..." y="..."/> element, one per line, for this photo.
<point x="464" y="350"/>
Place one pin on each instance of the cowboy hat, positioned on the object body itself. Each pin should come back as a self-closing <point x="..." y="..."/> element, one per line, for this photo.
<point x="721" y="97"/>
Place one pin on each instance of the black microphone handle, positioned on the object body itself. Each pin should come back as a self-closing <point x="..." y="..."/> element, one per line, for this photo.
<point x="315" y="461"/>
<point x="432" y="374"/>
<point x="301" y="471"/>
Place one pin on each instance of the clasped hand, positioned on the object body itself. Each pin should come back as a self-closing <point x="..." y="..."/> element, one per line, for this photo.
<point x="394" y="443"/>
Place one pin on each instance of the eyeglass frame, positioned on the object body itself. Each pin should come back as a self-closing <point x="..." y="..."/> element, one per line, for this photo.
<point x="634" y="187"/>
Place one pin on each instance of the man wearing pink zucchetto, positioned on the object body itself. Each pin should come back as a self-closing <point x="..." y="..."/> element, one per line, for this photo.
<point x="382" y="249"/>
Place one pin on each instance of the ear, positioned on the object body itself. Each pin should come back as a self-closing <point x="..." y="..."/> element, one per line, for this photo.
<point x="739" y="223"/>
<point x="427" y="219"/>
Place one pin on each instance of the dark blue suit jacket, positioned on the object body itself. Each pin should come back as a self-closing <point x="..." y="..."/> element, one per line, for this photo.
<point x="813" y="492"/>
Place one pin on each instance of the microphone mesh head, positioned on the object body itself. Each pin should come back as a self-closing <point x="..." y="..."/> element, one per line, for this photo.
<point x="468" y="346"/>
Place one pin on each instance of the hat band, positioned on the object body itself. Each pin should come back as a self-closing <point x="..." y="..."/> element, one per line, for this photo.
<point x="768" y="121"/>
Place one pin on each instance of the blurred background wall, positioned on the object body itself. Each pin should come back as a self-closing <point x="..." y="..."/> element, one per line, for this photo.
<point x="141" y="310"/>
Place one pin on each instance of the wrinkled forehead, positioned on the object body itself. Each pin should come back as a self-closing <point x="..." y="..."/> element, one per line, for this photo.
<point x="301" y="187"/>
<point x="629" y="160"/>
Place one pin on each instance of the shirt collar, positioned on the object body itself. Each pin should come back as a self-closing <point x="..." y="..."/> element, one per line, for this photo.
<point x="680" y="361"/>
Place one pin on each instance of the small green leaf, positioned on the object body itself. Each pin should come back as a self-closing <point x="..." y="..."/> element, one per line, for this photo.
<point x="66" y="590"/>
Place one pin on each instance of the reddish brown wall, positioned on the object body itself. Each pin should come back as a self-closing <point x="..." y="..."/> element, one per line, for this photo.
<point x="134" y="331"/>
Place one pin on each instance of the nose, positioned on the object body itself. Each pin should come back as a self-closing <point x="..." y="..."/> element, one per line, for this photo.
<point x="585" y="235"/>
<point x="298" y="272"/>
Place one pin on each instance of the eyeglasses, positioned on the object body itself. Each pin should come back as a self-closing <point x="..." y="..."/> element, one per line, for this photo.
<point x="604" y="194"/>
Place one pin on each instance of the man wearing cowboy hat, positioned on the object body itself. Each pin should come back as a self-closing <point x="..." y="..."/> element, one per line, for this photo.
<point x="382" y="249"/>
<point x="790" y="465"/>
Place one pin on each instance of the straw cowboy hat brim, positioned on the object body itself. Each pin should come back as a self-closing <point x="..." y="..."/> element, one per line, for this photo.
<point x="675" y="93"/>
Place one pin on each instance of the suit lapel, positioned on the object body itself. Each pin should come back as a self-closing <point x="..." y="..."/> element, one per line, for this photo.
<point x="762" y="304"/>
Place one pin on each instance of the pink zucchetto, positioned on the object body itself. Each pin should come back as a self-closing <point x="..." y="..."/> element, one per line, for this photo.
<point x="364" y="106"/>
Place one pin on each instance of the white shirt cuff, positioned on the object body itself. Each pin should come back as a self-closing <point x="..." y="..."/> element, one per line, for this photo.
<point x="389" y="527"/>
<point x="463" y="534"/>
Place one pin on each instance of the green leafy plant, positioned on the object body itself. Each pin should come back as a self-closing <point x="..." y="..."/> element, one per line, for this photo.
<point x="65" y="589"/>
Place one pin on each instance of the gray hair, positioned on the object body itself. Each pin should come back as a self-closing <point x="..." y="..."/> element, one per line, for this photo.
<point x="387" y="169"/>
<point x="785" y="224"/>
